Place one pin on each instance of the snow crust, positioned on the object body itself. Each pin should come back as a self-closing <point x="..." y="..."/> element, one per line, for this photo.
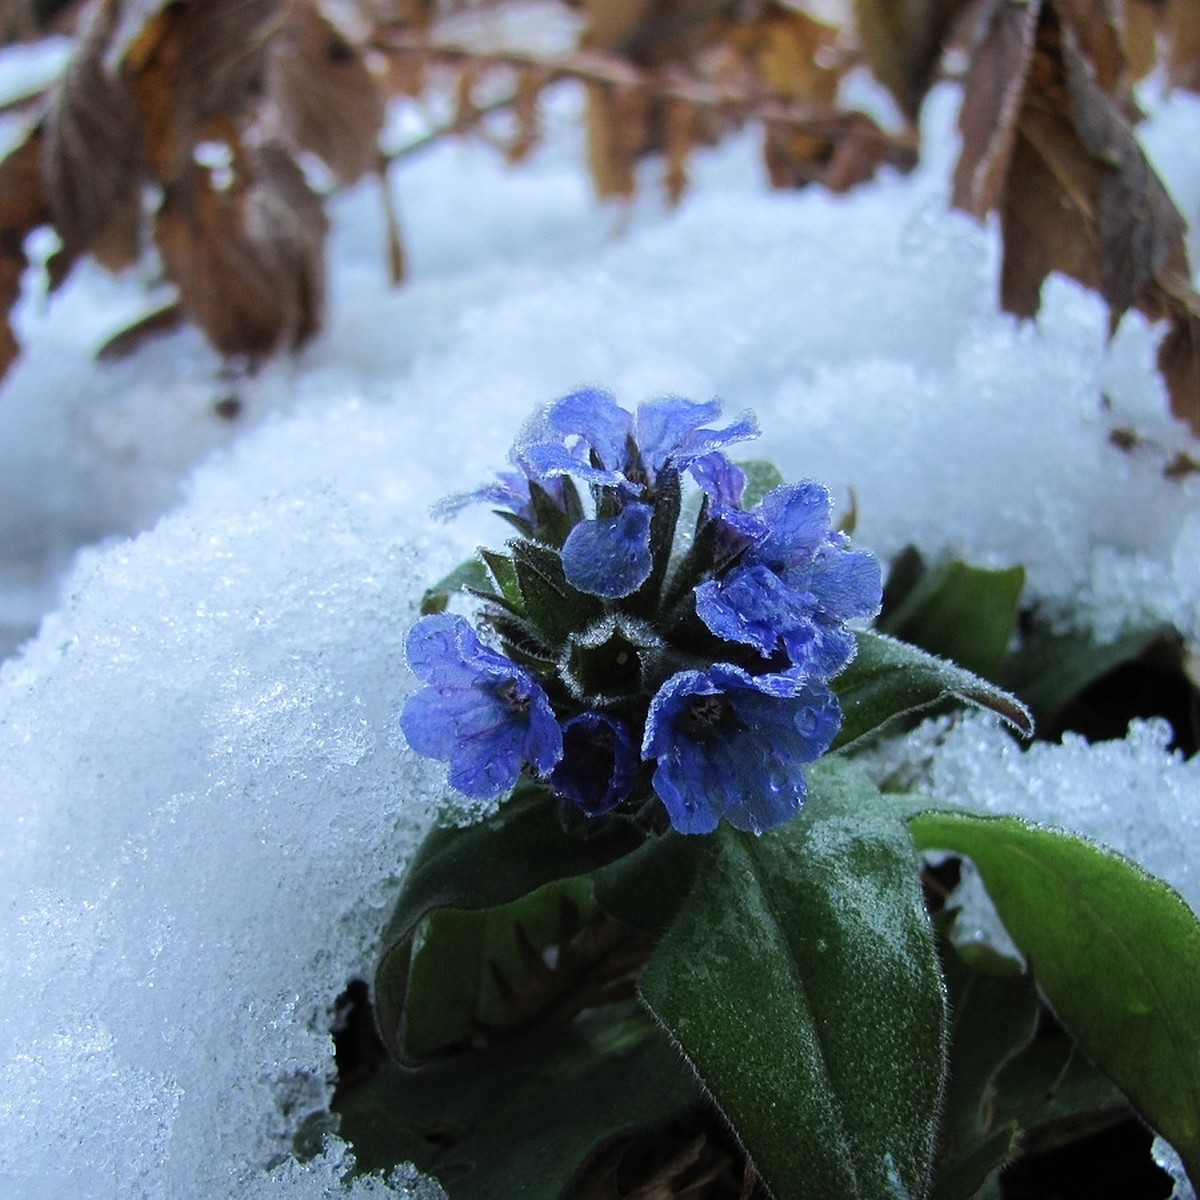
<point x="207" y="805"/>
<point x="1133" y="794"/>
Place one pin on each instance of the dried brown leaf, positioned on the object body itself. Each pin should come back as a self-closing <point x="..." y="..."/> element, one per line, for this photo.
<point x="1074" y="190"/>
<point x="680" y="123"/>
<point x="903" y="42"/>
<point x="23" y="207"/>
<point x="617" y="134"/>
<point x="397" y="258"/>
<point x="1181" y="26"/>
<point x="792" y="54"/>
<point x="327" y="100"/>
<point x="1172" y="26"/>
<point x="91" y="158"/>
<point x="165" y="319"/>
<point x="247" y="259"/>
<point x="467" y="113"/>
<point x="1139" y="35"/>
<point x="1094" y="24"/>
<point x="788" y="54"/>
<point x="611" y="23"/>
<point x="991" y="102"/>
<point x="194" y="63"/>
<point x="526" y="109"/>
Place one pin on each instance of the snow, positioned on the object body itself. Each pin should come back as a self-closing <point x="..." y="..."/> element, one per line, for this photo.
<point x="207" y="802"/>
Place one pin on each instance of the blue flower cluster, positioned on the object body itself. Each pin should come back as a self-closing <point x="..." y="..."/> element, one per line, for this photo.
<point x="631" y="661"/>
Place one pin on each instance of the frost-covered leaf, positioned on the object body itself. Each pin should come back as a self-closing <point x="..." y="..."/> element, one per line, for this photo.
<point x="328" y="100"/>
<point x="523" y="1118"/>
<point x="890" y="679"/>
<point x="470" y="575"/>
<point x="248" y="258"/>
<point x="800" y="979"/>
<point x="1115" y="951"/>
<point x="1048" y="147"/>
<point x="1050" y="669"/>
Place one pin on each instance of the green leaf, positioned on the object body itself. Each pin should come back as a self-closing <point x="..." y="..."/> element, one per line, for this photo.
<point x="505" y="575"/>
<point x="552" y="605"/>
<point x="761" y="478"/>
<point x="992" y="1018"/>
<point x="1115" y="952"/>
<point x="800" y="979"/>
<point x="964" y="613"/>
<point x="1051" y="669"/>
<point x="470" y="574"/>
<point x="890" y="679"/>
<point x="452" y="985"/>
<point x="522" y="1118"/>
<point x="646" y="888"/>
<point x="1050" y="1083"/>
<point x="511" y="854"/>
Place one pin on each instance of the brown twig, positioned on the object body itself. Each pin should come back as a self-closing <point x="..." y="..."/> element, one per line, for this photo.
<point x="590" y="66"/>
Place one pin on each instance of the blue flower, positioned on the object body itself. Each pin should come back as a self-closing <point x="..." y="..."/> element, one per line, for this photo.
<point x="610" y="557"/>
<point x="599" y="765"/>
<point x="730" y="744"/>
<point x="480" y="712"/>
<point x="590" y="436"/>
<point x="796" y="586"/>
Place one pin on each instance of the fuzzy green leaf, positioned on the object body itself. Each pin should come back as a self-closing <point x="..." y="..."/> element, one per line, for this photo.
<point x="800" y="979"/>
<point x="470" y="574"/>
<point x="761" y="477"/>
<point x="1115" y="951"/>
<point x="890" y="679"/>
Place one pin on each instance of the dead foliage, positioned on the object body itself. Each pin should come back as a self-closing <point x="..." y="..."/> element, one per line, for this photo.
<point x="181" y="124"/>
<point x="1047" y="146"/>
<point x="23" y="207"/>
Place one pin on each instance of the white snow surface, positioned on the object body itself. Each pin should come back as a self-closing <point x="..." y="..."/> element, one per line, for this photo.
<point x="207" y="805"/>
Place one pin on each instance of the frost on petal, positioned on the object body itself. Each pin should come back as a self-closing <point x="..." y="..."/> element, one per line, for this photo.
<point x="751" y="606"/>
<point x="755" y="607"/>
<point x="797" y="518"/>
<point x="728" y="744"/>
<point x="482" y="713"/>
<point x="671" y="430"/>
<point x="721" y="480"/>
<point x="846" y="583"/>
<point x="509" y="491"/>
<point x="610" y="557"/>
<point x="585" y="434"/>
<point x="599" y="765"/>
<point x="596" y="418"/>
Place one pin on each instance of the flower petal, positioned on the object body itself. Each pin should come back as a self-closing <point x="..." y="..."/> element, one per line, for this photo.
<point x="599" y="764"/>
<point x="482" y="713"/>
<point x="729" y="744"/>
<point x="610" y="557"/>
